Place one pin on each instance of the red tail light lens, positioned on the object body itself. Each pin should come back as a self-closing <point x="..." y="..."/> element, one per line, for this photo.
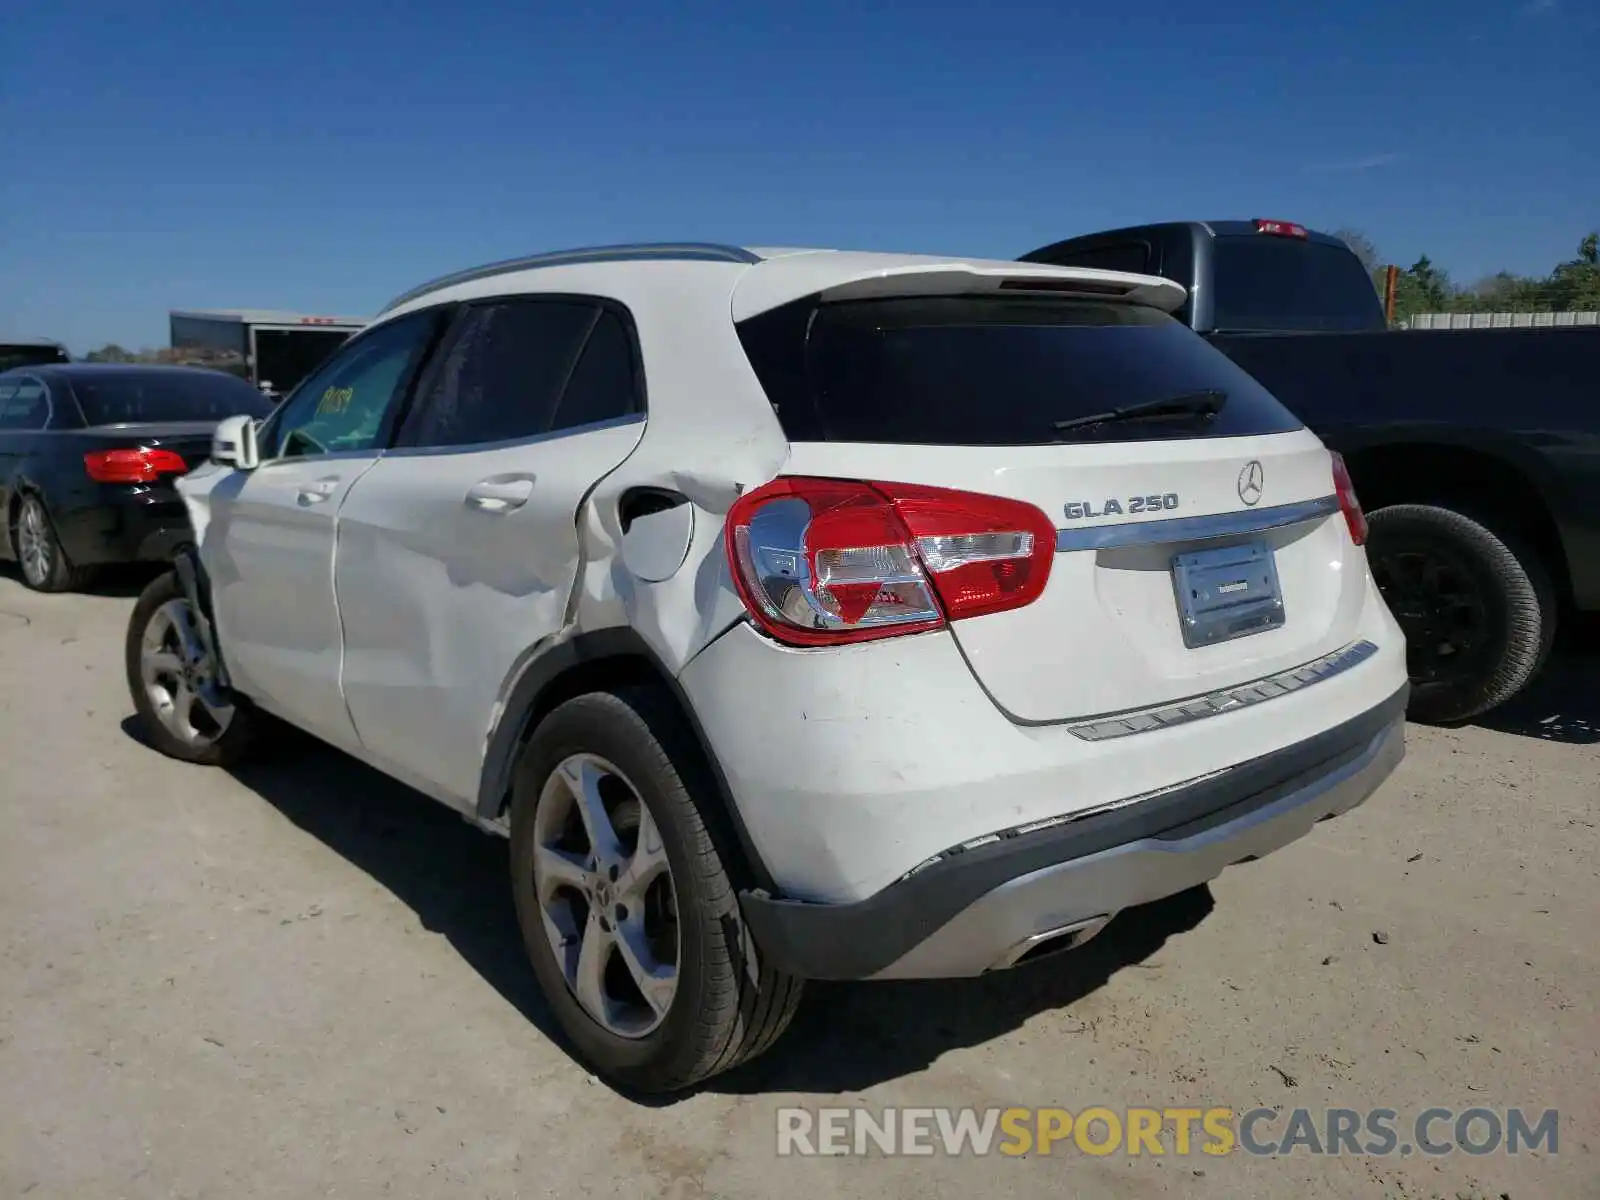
<point x="1348" y="504"/>
<point x="824" y="561"/>
<point x="132" y="466"/>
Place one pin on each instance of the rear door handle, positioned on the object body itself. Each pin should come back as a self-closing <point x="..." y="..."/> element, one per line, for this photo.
<point x="318" y="491"/>
<point x="499" y="495"/>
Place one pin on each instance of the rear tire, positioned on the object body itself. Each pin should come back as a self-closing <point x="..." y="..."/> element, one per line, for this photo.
<point x="168" y="671"/>
<point x="1477" y="607"/>
<point x="43" y="563"/>
<point x="724" y="1006"/>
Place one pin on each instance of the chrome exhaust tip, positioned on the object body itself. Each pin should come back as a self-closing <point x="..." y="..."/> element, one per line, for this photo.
<point x="1051" y="941"/>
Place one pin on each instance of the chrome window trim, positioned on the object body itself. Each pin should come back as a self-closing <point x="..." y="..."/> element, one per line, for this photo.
<point x="1193" y="529"/>
<point x="534" y="439"/>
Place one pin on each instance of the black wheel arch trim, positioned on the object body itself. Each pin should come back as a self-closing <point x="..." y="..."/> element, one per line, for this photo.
<point x="196" y="586"/>
<point x="856" y="941"/>
<point x="546" y="671"/>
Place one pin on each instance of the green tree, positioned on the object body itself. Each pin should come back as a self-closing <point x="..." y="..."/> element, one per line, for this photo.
<point x="110" y="352"/>
<point x="1575" y="286"/>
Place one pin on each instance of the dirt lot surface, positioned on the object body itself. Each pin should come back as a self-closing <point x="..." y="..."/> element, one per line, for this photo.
<point x="304" y="980"/>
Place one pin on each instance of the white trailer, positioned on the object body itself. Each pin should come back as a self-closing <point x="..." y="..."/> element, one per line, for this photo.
<point x="273" y="350"/>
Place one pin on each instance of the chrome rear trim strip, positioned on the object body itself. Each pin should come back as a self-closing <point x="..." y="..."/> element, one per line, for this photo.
<point x="1214" y="704"/>
<point x="1194" y="529"/>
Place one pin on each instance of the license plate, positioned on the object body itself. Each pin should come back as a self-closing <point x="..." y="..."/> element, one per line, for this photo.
<point x="1227" y="592"/>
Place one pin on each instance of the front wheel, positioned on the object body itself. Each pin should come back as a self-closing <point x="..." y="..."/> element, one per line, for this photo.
<point x="184" y="712"/>
<point x="1477" y="608"/>
<point x="626" y="907"/>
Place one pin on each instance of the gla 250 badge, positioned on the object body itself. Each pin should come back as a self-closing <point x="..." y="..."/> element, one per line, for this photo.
<point x="1078" y="510"/>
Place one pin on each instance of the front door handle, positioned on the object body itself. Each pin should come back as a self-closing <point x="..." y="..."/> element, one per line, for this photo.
<point x="499" y="495"/>
<point x="318" y="491"/>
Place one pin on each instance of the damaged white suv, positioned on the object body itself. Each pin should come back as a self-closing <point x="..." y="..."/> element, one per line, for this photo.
<point x="798" y="614"/>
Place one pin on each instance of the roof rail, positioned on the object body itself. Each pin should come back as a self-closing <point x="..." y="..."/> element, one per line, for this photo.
<point x="679" y="251"/>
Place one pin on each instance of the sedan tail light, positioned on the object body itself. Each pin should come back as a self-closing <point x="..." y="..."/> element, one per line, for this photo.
<point x="825" y="561"/>
<point x="1348" y="504"/>
<point x="132" y="466"/>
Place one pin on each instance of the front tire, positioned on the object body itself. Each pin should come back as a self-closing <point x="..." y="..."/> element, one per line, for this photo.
<point x="44" y="564"/>
<point x="183" y="712"/>
<point x="1478" y="609"/>
<point x="626" y="907"/>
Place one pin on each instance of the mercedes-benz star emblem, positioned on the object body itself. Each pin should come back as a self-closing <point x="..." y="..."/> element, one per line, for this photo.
<point x="1251" y="483"/>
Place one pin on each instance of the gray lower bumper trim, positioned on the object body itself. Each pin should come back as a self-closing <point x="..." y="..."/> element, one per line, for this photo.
<point x="1137" y="873"/>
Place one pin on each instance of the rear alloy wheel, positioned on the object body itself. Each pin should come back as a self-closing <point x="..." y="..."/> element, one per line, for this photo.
<point x="1478" y="611"/>
<point x="627" y="909"/>
<point x="606" y="895"/>
<point x="44" y="564"/>
<point x="186" y="713"/>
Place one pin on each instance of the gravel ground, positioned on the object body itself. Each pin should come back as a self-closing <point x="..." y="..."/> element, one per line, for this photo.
<point x="303" y="979"/>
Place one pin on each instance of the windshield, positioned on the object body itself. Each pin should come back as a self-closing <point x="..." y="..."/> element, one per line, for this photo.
<point x="982" y="371"/>
<point x="140" y="397"/>
<point x="1274" y="283"/>
<point x="26" y="355"/>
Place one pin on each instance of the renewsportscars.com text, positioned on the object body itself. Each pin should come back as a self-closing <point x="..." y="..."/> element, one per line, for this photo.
<point x="1100" y="1131"/>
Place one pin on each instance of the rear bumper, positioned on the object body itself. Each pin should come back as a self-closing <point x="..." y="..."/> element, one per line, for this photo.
<point x="982" y="908"/>
<point x="124" y="524"/>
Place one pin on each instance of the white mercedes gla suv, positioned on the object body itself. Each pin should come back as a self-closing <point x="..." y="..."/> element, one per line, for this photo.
<point x="797" y="614"/>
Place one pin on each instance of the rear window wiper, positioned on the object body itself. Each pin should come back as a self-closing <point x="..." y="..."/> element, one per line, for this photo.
<point x="1188" y="405"/>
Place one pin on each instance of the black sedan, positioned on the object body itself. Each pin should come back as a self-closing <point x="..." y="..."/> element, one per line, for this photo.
<point x="88" y="456"/>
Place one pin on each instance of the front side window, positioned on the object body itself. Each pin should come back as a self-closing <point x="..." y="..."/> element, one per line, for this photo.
<point x="524" y="368"/>
<point x="342" y="407"/>
<point x="24" y="406"/>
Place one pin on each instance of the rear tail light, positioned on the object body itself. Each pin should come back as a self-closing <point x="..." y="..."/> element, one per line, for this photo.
<point x="1281" y="228"/>
<point x="132" y="466"/>
<point x="1348" y="504"/>
<point x="824" y="561"/>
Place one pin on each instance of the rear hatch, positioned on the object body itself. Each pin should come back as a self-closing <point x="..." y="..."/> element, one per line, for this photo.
<point x="1197" y="548"/>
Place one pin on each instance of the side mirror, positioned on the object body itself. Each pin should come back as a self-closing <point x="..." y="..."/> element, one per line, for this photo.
<point x="234" y="444"/>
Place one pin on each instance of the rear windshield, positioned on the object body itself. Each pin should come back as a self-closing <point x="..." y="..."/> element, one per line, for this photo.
<point x="1266" y="283"/>
<point x="126" y="398"/>
<point x="991" y="371"/>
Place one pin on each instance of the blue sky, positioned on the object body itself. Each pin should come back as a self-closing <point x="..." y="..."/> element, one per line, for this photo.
<point x="322" y="157"/>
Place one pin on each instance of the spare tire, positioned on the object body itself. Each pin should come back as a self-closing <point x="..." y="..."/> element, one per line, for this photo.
<point x="1477" y="607"/>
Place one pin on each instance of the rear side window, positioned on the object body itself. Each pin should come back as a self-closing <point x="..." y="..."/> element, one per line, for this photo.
<point x="991" y="371"/>
<point x="24" y="407"/>
<point x="604" y="385"/>
<point x="522" y="368"/>
<point x="1263" y="283"/>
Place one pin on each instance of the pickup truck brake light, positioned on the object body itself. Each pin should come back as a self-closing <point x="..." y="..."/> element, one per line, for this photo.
<point x="1281" y="228"/>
